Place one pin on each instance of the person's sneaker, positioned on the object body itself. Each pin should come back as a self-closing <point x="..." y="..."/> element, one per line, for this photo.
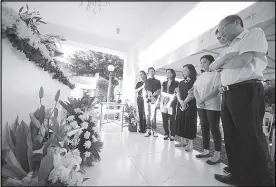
<point x="226" y="170"/>
<point x="147" y="134"/>
<point x="155" y="134"/>
<point x="166" y="137"/>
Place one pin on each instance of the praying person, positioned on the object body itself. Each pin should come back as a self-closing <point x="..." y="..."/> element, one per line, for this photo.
<point x="243" y="106"/>
<point x="186" y="116"/>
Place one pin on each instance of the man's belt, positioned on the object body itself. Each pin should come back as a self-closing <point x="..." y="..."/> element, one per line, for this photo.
<point x="233" y="86"/>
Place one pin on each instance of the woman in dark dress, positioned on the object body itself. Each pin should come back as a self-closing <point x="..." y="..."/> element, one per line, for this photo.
<point x="186" y="116"/>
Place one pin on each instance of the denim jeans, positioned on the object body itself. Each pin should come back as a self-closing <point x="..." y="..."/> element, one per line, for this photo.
<point x="150" y="112"/>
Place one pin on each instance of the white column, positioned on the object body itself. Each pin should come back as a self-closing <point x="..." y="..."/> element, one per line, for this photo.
<point x="130" y="75"/>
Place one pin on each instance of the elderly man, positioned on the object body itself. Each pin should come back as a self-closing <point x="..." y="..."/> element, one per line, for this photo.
<point x="242" y="107"/>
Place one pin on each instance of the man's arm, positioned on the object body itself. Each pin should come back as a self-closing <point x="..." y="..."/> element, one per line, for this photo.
<point x="241" y="60"/>
<point x="222" y="60"/>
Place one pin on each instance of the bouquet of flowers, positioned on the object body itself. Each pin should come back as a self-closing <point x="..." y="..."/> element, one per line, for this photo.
<point x="83" y="133"/>
<point x="131" y="116"/>
<point x="30" y="152"/>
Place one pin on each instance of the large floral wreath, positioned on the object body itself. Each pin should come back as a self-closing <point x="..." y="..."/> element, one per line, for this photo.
<point x="83" y="131"/>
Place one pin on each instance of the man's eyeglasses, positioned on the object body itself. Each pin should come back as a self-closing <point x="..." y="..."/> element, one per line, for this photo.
<point x="222" y="33"/>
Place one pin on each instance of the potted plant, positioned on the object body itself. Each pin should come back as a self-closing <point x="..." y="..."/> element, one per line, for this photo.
<point x="131" y="117"/>
<point x="269" y="89"/>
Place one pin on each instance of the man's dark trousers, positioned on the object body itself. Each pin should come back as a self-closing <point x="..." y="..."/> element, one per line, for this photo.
<point x="242" y="113"/>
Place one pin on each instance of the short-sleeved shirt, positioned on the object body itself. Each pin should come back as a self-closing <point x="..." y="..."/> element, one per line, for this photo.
<point x="152" y="85"/>
<point x="204" y="84"/>
<point x="138" y="85"/>
<point x="247" y="41"/>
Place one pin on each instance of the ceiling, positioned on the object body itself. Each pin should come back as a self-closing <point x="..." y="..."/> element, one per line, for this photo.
<point x="269" y="28"/>
<point x="133" y="18"/>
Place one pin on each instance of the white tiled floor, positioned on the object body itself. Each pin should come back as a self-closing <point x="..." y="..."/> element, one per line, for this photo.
<point x="130" y="159"/>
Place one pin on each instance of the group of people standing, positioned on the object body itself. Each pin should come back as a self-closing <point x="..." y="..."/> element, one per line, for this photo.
<point x="230" y="88"/>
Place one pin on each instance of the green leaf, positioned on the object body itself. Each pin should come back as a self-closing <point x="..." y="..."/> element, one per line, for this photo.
<point x="48" y="143"/>
<point x="20" y="10"/>
<point x="42" y="22"/>
<point x="48" y="113"/>
<point x="55" y="112"/>
<point x="15" y="126"/>
<point x="42" y="114"/>
<point x="85" y="179"/>
<point x="30" y="151"/>
<point x="41" y="92"/>
<point x="12" y="182"/>
<point x="11" y="160"/>
<point x="27" y="6"/>
<point x="35" y="121"/>
<point x="21" y="145"/>
<point x="57" y="96"/>
<point x="10" y="171"/>
<point x="55" y="126"/>
<point x="67" y="107"/>
<point x="46" y="166"/>
<point x="36" y="114"/>
<point x="8" y="139"/>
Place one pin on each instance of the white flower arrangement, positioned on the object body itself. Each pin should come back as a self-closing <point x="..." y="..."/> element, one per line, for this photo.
<point x="66" y="169"/>
<point x="71" y="118"/>
<point x="94" y="139"/>
<point x="10" y="18"/>
<point x="87" y="154"/>
<point x="84" y="116"/>
<point x="78" y="110"/>
<point x="87" y="144"/>
<point x="74" y="124"/>
<point x="84" y="125"/>
<point x="87" y="135"/>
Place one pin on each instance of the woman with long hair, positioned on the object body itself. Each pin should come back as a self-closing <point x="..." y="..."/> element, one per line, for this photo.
<point x="168" y="104"/>
<point x="206" y="92"/>
<point x="186" y="116"/>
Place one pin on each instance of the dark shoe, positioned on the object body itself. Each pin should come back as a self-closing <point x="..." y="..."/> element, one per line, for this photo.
<point x="166" y="137"/>
<point x="226" y="170"/>
<point x="213" y="163"/>
<point x="203" y="156"/>
<point x="227" y="179"/>
<point x="142" y="131"/>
